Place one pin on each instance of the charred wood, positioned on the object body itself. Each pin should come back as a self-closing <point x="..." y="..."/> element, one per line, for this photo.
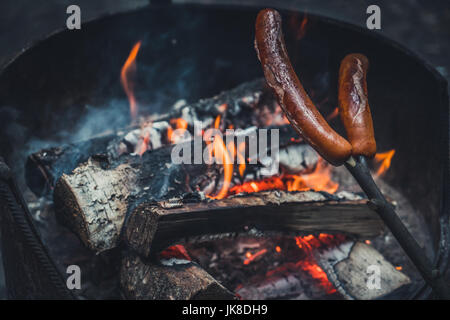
<point x="359" y="271"/>
<point x="94" y="199"/>
<point x="43" y="168"/>
<point x="151" y="227"/>
<point x="142" y="280"/>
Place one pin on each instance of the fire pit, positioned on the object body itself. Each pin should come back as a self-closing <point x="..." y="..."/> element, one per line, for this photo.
<point x="91" y="147"/>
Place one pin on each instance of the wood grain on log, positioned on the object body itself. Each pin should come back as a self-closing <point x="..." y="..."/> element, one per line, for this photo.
<point x="94" y="199"/>
<point x="153" y="226"/>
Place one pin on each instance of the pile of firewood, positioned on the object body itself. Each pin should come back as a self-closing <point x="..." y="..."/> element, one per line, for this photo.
<point x="111" y="197"/>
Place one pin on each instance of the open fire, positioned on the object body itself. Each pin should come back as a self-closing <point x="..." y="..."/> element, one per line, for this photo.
<point x="233" y="158"/>
<point x="132" y="173"/>
<point x="319" y="179"/>
<point x="103" y="117"/>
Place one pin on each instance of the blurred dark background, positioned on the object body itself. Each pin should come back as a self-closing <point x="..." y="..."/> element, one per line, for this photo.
<point x="421" y="26"/>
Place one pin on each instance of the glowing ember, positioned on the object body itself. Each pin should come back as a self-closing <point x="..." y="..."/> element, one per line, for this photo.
<point x="181" y="126"/>
<point x="177" y="251"/>
<point x="272" y="116"/>
<point x="309" y="265"/>
<point x="384" y="159"/>
<point x="270" y="183"/>
<point x="319" y="180"/>
<point x="251" y="257"/>
<point x="144" y="141"/>
<point x="127" y="72"/>
<point x="317" y="273"/>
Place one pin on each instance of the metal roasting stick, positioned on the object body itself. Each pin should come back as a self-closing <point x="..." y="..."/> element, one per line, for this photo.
<point x="356" y="117"/>
<point x="360" y="171"/>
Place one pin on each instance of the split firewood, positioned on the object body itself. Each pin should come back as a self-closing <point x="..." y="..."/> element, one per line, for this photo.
<point x="183" y="280"/>
<point x="43" y="168"/>
<point x="153" y="226"/>
<point x="94" y="200"/>
<point x="359" y="271"/>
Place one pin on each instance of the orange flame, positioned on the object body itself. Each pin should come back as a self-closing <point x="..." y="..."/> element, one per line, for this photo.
<point x="319" y="180"/>
<point x="241" y="160"/>
<point x="302" y="31"/>
<point x="128" y="70"/>
<point x="309" y="265"/>
<point x="144" y="141"/>
<point x="317" y="273"/>
<point x="384" y="159"/>
<point x="181" y="125"/>
<point x="250" y="257"/>
<point x="220" y="152"/>
<point x="299" y="31"/>
<point x="217" y="122"/>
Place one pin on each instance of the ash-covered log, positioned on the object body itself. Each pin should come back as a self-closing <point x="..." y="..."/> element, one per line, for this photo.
<point x="287" y="281"/>
<point x="44" y="167"/>
<point x="241" y="106"/>
<point x="353" y="270"/>
<point x="359" y="271"/>
<point x="179" y="280"/>
<point x="94" y="199"/>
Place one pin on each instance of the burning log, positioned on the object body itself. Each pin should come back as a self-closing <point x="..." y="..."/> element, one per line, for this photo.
<point x="343" y="271"/>
<point x="43" y="168"/>
<point x="359" y="271"/>
<point x="153" y="226"/>
<point x="95" y="198"/>
<point x="184" y="280"/>
<point x="287" y="281"/>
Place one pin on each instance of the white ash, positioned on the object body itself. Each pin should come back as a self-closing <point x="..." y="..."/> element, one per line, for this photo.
<point x="173" y="261"/>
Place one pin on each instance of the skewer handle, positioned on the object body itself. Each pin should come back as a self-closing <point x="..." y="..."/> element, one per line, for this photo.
<point x="360" y="171"/>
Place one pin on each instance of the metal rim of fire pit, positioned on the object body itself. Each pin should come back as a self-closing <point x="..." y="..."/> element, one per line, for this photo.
<point x="11" y="194"/>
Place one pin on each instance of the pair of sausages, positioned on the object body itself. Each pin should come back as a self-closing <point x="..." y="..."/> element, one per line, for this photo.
<point x="298" y="107"/>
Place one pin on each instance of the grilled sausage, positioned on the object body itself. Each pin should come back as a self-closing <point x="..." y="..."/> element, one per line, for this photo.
<point x="294" y="101"/>
<point x="354" y="106"/>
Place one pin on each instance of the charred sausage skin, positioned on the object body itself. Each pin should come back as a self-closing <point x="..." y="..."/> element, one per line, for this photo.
<point x="354" y="106"/>
<point x="294" y="100"/>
